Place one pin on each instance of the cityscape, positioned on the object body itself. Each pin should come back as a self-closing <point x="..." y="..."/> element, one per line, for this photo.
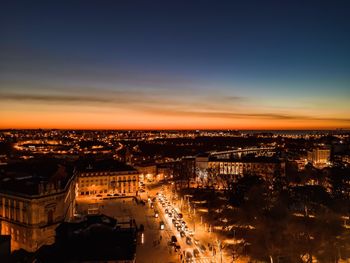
<point x="175" y="131"/>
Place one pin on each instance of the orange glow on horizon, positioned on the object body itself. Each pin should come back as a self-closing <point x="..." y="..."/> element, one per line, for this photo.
<point x="134" y="121"/>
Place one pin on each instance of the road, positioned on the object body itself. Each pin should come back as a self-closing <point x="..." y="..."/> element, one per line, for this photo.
<point x="200" y="235"/>
<point x="149" y="247"/>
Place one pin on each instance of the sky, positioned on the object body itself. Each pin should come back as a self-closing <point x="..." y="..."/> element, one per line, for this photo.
<point x="175" y="64"/>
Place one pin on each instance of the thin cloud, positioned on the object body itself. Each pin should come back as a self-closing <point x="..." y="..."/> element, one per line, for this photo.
<point x="232" y="115"/>
<point x="53" y="98"/>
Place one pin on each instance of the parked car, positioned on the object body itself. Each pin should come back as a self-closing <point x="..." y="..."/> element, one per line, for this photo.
<point x="173" y="240"/>
<point x="188" y="241"/>
<point x="196" y="253"/>
<point x="202" y="247"/>
<point x="156" y="213"/>
<point x="161" y="225"/>
<point x="182" y="234"/>
<point x="189" y="257"/>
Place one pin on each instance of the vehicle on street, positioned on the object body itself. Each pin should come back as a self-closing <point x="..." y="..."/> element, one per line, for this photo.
<point x="202" y="248"/>
<point x="189" y="257"/>
<point x="196" y="253"/>
<point x="182" y="234"/>
<point x="177" y="247"/>
<point x="161" y="225"/>
<point x="188" y="241"/>
<point x="173" y="240"/>
<point x="156" y="213"/>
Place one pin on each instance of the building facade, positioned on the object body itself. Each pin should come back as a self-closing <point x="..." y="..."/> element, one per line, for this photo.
<point x="264" y="167"/>
<point x="106" y="178"/>
<point x="31" y="213"/>
<point x="319" y="157"/>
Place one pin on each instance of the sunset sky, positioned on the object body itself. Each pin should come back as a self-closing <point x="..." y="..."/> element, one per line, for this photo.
<point x="175" y="64"/>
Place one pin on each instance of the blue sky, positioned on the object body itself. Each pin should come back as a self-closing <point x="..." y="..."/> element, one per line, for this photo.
<point x="206" y="62"/>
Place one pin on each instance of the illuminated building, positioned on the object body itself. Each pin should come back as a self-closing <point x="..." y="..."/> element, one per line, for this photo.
<point x="35" y="197"/>
<point x="147" y="171"/>
<point x="319" y="157"/>
<point x="265" y="167"/>
<point x="106" y="177"/>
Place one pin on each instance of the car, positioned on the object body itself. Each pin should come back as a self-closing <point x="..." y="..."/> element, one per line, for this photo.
<point x="189" y="257"/>
<point x="109" y="195"/>
<point x="183" y="223"/>
<point x="180" y="215"/>
<point x="161" y="225"/>
<point x="188" y="241"/>
<point x="174" y="221"/>
<point x="170" y="215"/>
<point x="173" y="240"/>
<point x="177" y="247"/>
<point x="166" y="210"/>
<point x="156" y="213"/>
<point x="196" y="241"/>
<point x="142" y="191"/>
<point x="196" y="253"/>
<point x="116" y="195"/>
<point x="182" y="234"/>
<point x="98" y="195"/>
<point x="202" y="247"/>
<point x="179" y="228"/>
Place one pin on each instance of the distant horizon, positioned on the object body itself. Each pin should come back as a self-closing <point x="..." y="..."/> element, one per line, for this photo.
<point x="253" y="130"/>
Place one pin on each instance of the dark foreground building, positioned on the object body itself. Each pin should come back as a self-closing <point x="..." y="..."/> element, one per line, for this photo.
<point x="97" y="238"/>
<point x="35" y="197"/>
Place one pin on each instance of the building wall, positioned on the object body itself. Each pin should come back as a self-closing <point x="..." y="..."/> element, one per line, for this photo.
<point x="319" y="156"/>
<point x="147" y="172"/>
<point x="101" y="183"/>
<point x="31" y="220"/>
<point x="240" y="168"/>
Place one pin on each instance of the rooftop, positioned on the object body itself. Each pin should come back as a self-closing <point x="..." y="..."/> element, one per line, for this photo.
<point x="247" y="159"/>
<point x="106" y="165"/>
<point x="35" y="176"/>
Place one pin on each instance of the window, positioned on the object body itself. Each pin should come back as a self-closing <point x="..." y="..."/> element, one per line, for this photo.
<point x="50" y="216"/>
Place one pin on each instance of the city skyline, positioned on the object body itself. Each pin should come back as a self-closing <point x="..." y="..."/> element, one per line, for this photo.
<point x="183" y="65"/>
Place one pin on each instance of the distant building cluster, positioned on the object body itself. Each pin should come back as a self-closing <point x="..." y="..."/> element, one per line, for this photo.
<point x="319" y="157"/>
<point x="45" y="174"/>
